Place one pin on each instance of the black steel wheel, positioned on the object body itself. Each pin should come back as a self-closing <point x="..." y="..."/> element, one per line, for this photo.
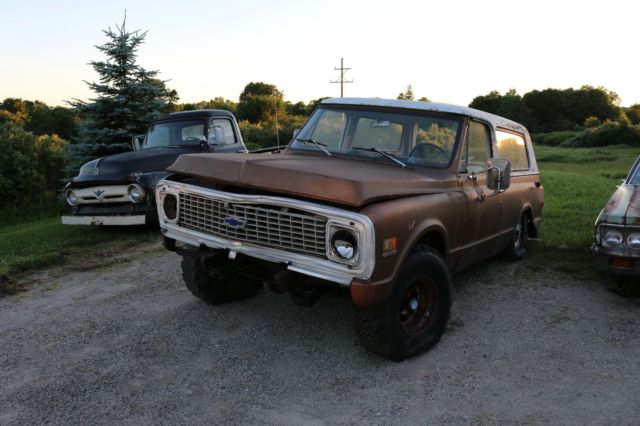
<point x="202" y="279"/>
<point x="418" y="305"/>
<point x="415" y="316"/>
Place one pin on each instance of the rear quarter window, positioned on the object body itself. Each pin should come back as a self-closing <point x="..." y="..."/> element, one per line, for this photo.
<point x="512" y="146"/>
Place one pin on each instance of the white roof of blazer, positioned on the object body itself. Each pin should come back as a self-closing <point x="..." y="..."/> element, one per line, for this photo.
<point x="495" y="120"/>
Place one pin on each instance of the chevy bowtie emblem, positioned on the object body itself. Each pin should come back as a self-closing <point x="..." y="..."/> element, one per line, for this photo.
<point x="234" y="222"/>
<point x="98" y="192"/>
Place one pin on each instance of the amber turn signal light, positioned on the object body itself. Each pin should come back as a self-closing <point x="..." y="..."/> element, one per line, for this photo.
<point x="389" y="246"/>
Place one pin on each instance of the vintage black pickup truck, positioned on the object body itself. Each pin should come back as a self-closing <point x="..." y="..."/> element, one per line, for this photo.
<point x="119" y="189"/>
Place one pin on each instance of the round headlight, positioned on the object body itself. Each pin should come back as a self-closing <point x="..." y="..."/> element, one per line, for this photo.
<point x="633" y="240"/>
<point x="72" y="199"/>
<point x="170" y="206"/>
<point x="344" y="244"/>
<point x="136" y="193"/>
<point x="612" y="238"/>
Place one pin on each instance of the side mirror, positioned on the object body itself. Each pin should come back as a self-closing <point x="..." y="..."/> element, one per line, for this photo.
<point x="136" y="142"/>
<point x="499" y="174"/>
<point x="295" y="133"/>
<point x="217" y="137"/>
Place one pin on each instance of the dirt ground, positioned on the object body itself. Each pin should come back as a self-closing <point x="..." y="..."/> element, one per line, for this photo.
<point x="127" y="343"/>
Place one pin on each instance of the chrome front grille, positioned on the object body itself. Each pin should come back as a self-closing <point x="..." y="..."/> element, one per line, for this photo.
<point x="267" y="226"/>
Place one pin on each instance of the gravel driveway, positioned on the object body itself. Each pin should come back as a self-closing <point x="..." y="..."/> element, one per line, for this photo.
<point x="128" y="344"/>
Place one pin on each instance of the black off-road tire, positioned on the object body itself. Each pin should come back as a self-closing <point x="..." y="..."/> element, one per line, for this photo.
<point x="214" y="289"/>
<point x="628" y="287"/>
<point x="396" y="329"/>
<point x="517" y="247"/>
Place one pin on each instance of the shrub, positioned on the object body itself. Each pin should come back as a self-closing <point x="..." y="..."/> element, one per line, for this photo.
<point x="31" y="167"/>
<point x="263" y="135"/>
<point x="553" y="138"/>
<point x="592" y="122"/>
<point x="610" y="133"/>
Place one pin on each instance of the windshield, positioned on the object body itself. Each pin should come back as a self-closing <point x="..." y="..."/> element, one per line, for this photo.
<point x="634" y="175"/>
<point x="418" y="138"/>
<point x="175" y="133"/>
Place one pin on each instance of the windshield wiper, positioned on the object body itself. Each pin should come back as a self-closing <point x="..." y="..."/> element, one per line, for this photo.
<point x="381" y="152"/>
<point x="320" y="145"/>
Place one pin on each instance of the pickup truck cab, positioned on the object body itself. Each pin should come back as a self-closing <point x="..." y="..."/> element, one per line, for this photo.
<point x="383" y="198"/>
<point x="119" y="189"/>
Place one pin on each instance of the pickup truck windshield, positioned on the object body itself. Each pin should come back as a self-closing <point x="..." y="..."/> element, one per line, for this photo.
<point x="175" y="133"/>
<point x="414" y="138"/>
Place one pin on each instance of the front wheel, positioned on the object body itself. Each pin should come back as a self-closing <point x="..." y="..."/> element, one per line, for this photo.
<point x="624" y="286"/>
<point x="205" y="277"/>
<point x="415" y="316"/>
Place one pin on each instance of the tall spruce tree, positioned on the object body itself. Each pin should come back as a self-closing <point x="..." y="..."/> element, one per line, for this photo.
<point x="128" y="97"/>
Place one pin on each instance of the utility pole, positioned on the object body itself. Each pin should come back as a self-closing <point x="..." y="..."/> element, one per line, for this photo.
<point x="341" y="79"/>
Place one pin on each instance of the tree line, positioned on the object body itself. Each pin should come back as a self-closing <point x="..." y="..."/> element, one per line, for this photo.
<point x="585" y="117"/>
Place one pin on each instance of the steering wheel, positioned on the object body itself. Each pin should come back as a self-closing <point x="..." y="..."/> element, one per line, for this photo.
<point x="192" y="138"/>
<point x="425" y="151"/>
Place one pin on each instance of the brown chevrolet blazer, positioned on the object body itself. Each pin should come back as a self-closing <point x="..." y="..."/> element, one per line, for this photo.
<point x="384" y="198"/>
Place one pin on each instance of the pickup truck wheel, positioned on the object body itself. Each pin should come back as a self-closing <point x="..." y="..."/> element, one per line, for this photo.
<point x="517" y="248"/>
<point x="214" y="288"/>
<point x="415" y="316"/>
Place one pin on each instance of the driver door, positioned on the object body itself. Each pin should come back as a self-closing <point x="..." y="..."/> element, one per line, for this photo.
<point x="483" y="211"/>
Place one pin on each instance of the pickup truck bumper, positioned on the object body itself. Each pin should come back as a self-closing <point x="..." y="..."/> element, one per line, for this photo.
<point x="104" y="220"/>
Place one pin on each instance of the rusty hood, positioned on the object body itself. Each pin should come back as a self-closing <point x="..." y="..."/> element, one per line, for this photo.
<point x="350" y="182"/>
<point x="623" y="207"/>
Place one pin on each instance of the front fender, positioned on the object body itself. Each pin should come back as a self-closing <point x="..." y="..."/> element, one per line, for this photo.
<point x="411" y="220"/>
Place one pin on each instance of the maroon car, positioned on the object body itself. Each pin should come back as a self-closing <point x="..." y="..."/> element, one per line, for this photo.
<point x="617" y="236"/>
<point x="383" y="198"/>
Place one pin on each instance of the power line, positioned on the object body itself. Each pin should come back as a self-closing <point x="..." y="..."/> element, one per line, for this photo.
<point x="341" y="79"/>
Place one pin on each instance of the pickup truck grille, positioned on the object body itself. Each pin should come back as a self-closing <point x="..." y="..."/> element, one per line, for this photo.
<point x="267" y="226"/>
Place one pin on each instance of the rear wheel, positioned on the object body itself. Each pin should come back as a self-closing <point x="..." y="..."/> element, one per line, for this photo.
<point x="205" y="277"/>
<point x="415" y="316"/>
<point x="517" y="247"/>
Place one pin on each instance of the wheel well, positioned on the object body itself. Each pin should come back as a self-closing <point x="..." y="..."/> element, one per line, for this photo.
<point x="435" y="240"/>
<point x="531" y="230"/>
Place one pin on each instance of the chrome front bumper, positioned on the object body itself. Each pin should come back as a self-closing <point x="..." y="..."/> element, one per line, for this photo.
<point x="318" y="267"/>
<point x="104" y="220"/>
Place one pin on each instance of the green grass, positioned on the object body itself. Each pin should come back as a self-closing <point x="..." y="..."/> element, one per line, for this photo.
<point x="572" y="203"/>
<point x="611" y="162"/>
<point x="36" y="210"/>
<point x="46" y="242"/>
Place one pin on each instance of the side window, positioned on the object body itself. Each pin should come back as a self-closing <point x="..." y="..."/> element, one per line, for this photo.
<point x="227" y="129"/>
<point x="512" y="146"/>
<point x="477" y="149"/>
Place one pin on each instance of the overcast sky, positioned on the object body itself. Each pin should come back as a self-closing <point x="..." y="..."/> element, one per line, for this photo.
<point x="449" y="51"/>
